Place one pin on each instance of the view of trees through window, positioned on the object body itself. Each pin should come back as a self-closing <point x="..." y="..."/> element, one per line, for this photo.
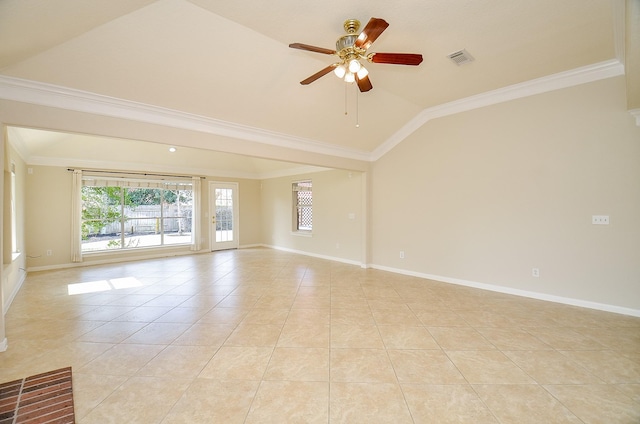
<point x="128" y="217"/>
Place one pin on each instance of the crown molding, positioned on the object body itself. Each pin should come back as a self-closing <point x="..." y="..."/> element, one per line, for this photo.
<point x="586" y="74"/>
<point x="44" y="94"/>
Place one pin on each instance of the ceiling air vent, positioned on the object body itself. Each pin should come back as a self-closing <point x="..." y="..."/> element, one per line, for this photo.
<point x="461" y="57"/>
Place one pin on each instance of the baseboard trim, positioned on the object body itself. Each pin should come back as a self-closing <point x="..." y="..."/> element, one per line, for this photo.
<point x="14" y="293"/>
<point x="314" y="255"/>
<point x="516" y="292"/>
<point x="115" y="260"/>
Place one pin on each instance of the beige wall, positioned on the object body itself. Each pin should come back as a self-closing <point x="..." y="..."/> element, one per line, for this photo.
<point x="14" y="273"/>
<point x="48" y="220"/>
<point x="485" y="196"/>
<point x="336" y="195"/>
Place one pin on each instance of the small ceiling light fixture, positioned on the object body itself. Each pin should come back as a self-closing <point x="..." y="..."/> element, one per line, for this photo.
<point x="172" y="149"/>
<point x="350" y="55"/>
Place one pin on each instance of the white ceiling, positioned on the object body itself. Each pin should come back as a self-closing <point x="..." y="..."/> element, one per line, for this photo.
<point x="229" y="60"/>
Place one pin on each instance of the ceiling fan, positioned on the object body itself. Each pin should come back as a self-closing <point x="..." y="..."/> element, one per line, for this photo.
<point x="352" y="48"/>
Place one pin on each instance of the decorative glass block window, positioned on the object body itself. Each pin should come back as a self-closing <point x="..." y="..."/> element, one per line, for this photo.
<point x="303" y="206"/>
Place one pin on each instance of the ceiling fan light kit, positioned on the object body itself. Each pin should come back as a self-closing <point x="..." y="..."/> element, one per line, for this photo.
<point x="352" y="48"/>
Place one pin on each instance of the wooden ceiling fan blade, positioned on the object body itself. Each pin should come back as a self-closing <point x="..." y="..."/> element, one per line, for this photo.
<point x="371" y="32"/>
<point x="309" y="48"/>
<point x="397" y="58"/>
<point x="319" y="74"/>
<point x="364" y="84"/>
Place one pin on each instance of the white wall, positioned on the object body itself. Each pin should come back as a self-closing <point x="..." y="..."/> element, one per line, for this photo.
<point x="485" y="196"/>
<point x="336" y="195"/>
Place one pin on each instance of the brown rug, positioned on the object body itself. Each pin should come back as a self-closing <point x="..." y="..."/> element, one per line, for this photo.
<point x="39" y="399"/>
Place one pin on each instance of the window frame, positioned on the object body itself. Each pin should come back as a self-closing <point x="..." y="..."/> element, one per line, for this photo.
<point x="296" y="207"/>
<point x="125" y="184"/>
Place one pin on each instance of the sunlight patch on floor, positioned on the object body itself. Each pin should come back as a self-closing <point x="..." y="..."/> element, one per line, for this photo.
<point x="103" y="285"/>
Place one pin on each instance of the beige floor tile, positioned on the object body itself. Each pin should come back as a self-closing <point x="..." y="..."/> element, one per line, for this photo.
<point x="304" y="335"/>
<point x="183" y="315"/>
<point x="401" y="315"/>
<point x="138" y="400"/>
<point x="356" y="336"/>
<point x="396" y="303"/>
<point x="91" y="389"/>
<point x="524" y="404"/>
<point x="205" y="301"/>
<point x="191" y="305"/>
<point x="562" y="338"/>
<point x="204" y="334"/>
<point x="213" y="401"/>
<point x="241" y="302"/>
<point x="266" y="316"/>
<point x="424" y="366"/>
<point x="290" y="402"/>
<point x="122" y="359"/>
<point x="167" y="300"/>
<point x="439" y="318"/>
<point x="106" y="313"/>
<point x="73" y="354"/>
<point x="306" y="316"/>
<point x="112" y="332"/>
<point x="512" y="339"/>
<point x="144" y="314"/>
<point x="610" y="366"/>
<point x="352" y="317"/>
<point x="254" y="335"/>
<point x="369" y="403"/>
<point x="178" y="362"/>
<point x="133" y="299"/>
<point x="298" y="364"/>
<point x="488" y="367"/>
<point x="162" y="333"/>
<point x="613" y="338"/>
<point x="460" y="338"/>
<point x="270" y="301"/>
<point x="348" y="302"/>
<point x="597" y="404"/>
<point x="631" y="390"/>
<point x="226" y="316"/>
<point x="448" y="404"/>
<point x="551" y="367"/>
<point x="311" y="302"/>
<point x="238" y="363"/>
<point x="402" y="337"/>
<point x="361" y="366"/>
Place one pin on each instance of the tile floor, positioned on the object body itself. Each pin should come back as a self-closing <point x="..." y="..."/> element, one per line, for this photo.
<point x="262" y="336"/>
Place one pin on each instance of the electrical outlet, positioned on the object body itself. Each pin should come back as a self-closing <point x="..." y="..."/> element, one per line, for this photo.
<point x="337" y="245"/>
<point x="600" y="219"/>
<point x="535" y="272"/>
<point x="402" y="254"/>
<point x="49" y="253"/>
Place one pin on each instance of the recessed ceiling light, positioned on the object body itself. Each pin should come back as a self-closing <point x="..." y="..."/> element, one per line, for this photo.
<point x="172" y="149"/>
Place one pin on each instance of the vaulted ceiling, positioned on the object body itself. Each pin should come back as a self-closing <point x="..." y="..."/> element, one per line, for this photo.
<point x="228" y="64"/>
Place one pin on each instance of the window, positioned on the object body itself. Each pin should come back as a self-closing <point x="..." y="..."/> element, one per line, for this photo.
<point x="128" y="214"/>
<point x="303" y="206"/>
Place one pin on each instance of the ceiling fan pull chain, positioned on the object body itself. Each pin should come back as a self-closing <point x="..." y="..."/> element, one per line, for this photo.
<point x="345" y="99"/>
